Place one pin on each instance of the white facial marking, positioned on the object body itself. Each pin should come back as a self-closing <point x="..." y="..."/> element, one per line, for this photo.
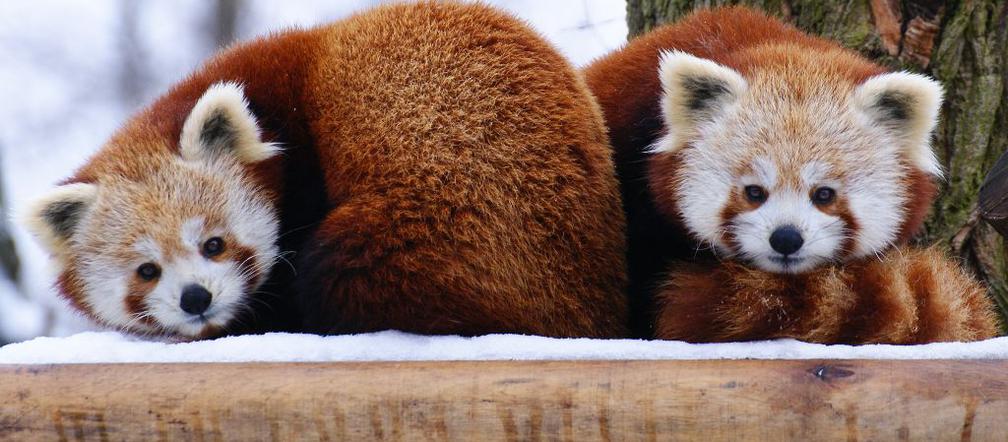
<point x="764" y="173"/>
<point x="877" y="202"/>
<point x="147" y="247"/>
<point x="106" y="294"/>
<point x="192" y="232"/>
<point x="822" y="234"/>
<point x="814" y="174"/>
<point x="221" y="279"/>
<point x="705" y="189"/>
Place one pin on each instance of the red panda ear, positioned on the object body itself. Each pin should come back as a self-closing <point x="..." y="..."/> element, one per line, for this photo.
<point x="54" y="218"/>
<point x="694" y="90"/>
<point x="907" y="105"/>
<point x="221" y="123"/>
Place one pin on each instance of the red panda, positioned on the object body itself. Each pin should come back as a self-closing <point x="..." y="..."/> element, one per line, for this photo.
<point x="771" y="158"/>
<point x="428" y="167"/>
<point x="906" y="296"/>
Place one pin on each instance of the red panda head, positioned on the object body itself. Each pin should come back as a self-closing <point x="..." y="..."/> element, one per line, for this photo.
<point x="792" y="165"/>
<point x="176" y="248"/>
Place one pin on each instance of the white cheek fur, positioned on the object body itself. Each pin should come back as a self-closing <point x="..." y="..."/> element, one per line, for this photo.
<point x="106" y="295"/>
<point x="222" y="279"/>
<point x="823" y="234"/>
<point x="701" y="206"/>
<point x="877" y="203"/>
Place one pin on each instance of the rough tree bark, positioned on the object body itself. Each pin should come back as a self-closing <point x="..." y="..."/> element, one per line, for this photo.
<point x="961" y="43"/>
<point x="10" y="265"/>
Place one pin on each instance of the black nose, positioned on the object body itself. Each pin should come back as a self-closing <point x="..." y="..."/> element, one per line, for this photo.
<point x="786" y="240"/>
<point x="195" y="299"/>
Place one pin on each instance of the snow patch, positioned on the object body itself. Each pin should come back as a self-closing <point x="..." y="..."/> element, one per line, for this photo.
<point x="112" y="347"/>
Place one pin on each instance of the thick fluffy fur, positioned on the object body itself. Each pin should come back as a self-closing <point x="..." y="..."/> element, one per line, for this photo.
<point x="726" y="127"/>
<point x="443" y="170"/>
<point x="907" y="297"/>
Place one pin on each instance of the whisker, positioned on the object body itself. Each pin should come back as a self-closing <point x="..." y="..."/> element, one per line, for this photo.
<point x="298" y="229"/>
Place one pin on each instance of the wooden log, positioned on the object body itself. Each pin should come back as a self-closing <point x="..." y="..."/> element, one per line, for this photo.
<point x="553" y="400"/>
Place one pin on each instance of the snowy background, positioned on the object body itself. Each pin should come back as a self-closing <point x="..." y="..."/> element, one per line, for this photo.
<point x="72" y="70"/>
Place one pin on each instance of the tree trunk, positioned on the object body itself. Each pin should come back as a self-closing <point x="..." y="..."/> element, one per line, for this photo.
<point x="10" y="264"/>
<point x="134" y="77"/>
<point x="225" y="22"/>
<point x="960" y="43"/>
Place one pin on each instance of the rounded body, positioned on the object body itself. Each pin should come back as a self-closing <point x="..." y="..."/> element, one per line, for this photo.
<point x="433" y="167"/>
<point x="469" y="178"/>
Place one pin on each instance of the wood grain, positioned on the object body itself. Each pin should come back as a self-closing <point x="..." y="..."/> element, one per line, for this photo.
<point x="560" y="400"/>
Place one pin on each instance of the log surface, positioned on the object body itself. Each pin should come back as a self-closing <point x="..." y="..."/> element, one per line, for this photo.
<point x="535" y="400"/>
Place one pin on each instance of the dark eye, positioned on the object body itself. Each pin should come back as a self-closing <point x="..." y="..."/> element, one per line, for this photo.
<point x="755" y="194"/>
<point x="148" y="271"/>
<point x="823" y="195"/>
<point x="213" y="247"/>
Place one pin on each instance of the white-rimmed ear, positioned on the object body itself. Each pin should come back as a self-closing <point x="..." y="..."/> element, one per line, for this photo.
<point x="693" y="90"/>
<point x="54" y="218"/>
<point x="220" y="123"/>
<point x="906" y="104"/>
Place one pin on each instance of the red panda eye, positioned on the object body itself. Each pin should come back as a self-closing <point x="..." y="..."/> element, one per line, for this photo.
<point x="755" y="194"/>
<point x="213" y="247"/>
<point x="823" y="195"/>
<point x="148" y="271"/>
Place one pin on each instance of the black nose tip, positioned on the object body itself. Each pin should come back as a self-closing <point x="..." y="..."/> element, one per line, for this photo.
<point x="195" y="299"/>
<point x="786" y="240"/>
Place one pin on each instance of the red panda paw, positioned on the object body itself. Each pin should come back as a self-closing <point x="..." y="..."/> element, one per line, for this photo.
<point x="722" y="302"/>
<point x="732" y="302"/>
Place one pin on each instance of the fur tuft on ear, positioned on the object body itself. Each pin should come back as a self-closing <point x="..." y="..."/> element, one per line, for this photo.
<point x="693" y="90"/>
<point x="221" y="123"/>
<point x="906" y="104"/>
<point x="54" y="218"/>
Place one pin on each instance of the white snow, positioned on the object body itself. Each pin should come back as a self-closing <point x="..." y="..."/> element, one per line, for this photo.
<point x="95" y="347"/>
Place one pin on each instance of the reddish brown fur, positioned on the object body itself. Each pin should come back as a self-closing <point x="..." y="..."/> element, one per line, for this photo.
<point x="136" y="300"/>
<point x="908" y="297"/>
<point x="445" y="171"/>
<point x="72" y="288"/>
<point x="628" y="88"/>
<point x="924" y="190"/>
